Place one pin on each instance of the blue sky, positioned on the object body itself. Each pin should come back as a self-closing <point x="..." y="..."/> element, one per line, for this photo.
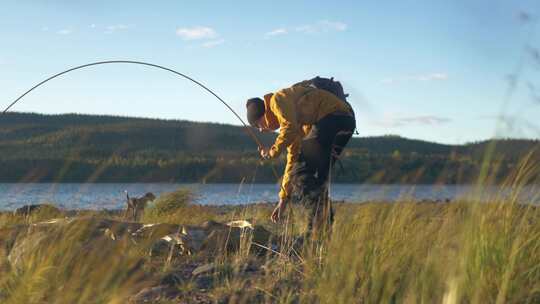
<point x="433" y="70"/>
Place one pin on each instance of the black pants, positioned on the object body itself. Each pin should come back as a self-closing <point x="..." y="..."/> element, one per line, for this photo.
<point x="320" y="149"/>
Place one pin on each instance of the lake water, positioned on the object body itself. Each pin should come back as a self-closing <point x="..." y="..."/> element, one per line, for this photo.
<point x="112" y="196"/>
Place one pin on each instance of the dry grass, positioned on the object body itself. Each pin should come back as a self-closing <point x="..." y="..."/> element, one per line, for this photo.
<point x="406" y="252"/>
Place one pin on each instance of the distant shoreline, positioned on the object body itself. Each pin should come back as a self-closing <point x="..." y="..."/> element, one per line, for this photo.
<point x="229" y="183"/>
<point x="99" y="196"/>
<point x="67" y="149"/>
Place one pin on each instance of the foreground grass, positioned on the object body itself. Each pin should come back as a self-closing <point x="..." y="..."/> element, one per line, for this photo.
<point x="420" y="254"/>
<point x="460" y="252"/>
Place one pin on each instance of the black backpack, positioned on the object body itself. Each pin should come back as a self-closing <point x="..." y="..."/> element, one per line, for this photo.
<point x="327" y="84"/>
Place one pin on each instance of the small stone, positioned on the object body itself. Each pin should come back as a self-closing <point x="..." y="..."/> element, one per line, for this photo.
<point x="170" y="244"/>
<point x="240" y="224"/>
<point x="154" y="294"/>
<point x="108" y="233"/>
<point x="203" y="268"/>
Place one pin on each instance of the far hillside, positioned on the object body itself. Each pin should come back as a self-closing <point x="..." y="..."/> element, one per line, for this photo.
<point x="79" y="148"/>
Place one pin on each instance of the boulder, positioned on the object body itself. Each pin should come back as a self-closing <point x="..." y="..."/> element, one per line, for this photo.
<point x="164" y="240"/>
<point x="155" y="294"/>
<point x="8" y="237"/>
<point x="211" y="238"/>
<point x="24" y="247"/>
<point x="26" y="210"/>
<point x="230" y="236"/>
<point x="153" y="232"/>
<point x="170" y="246"/>
<point x="203" y="269"/>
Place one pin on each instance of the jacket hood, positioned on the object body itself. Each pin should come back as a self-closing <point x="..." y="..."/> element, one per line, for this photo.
<point x="270" y="118"/>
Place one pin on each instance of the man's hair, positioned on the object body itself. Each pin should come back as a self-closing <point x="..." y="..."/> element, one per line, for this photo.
<point x="254" y="109"/>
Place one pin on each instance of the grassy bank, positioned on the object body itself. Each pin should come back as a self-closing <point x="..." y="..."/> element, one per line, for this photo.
<point x="460" y="252"/>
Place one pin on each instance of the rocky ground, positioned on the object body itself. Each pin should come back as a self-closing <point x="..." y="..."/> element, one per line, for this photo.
<point x="406" y="252"/>
<point x="174" y="262"/>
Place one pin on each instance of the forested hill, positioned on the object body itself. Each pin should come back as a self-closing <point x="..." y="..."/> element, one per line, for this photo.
<point x="99" y="136"/>
<point x="77" y="148"/>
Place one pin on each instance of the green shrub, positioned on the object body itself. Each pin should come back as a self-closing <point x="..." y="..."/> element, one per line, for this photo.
<point x="45" y="212"/>
<point x="168" y="203"/>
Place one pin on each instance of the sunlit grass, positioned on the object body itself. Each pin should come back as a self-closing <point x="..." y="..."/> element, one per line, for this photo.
<point x="465" y="251"/>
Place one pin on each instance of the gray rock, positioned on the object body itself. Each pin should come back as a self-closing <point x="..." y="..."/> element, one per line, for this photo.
<point x="170" y="246"/>
<point x="29" y="209"/>
<point x="203" y="269"/>
<point x="154" y="294"/>
<point x="24" y="247"/>
<point x="153" y="232"/>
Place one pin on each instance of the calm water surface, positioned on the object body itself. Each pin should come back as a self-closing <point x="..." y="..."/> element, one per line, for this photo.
<point x="111" y="196"/>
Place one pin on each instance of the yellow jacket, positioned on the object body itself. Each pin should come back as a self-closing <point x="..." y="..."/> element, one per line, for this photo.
<point x="296" y="109"/>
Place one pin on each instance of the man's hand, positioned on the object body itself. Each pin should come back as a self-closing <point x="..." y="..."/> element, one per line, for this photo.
<point x="278" y="211"/>
<point x="264" y="152"/>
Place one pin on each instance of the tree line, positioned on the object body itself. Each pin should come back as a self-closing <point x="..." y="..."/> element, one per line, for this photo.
<point x="82" y="148"/>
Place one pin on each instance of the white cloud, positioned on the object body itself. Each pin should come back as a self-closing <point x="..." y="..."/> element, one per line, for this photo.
<point x="277" y="32"/>
<point x="196" y="33"/>
<point x="213" y="43"/>
<point x="116" y="27"/>
<point x="438" y="76"/>
<point x="93" y="25"/>
<point x="333" y="25"/>
<point x="430" y="77"/>
<point x="64" y="31"/>
<point x="323" y="26"/>
<point x="45" y="28"/>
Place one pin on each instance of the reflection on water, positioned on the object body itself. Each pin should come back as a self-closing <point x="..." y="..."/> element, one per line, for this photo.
<point x="112" y="196"/>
